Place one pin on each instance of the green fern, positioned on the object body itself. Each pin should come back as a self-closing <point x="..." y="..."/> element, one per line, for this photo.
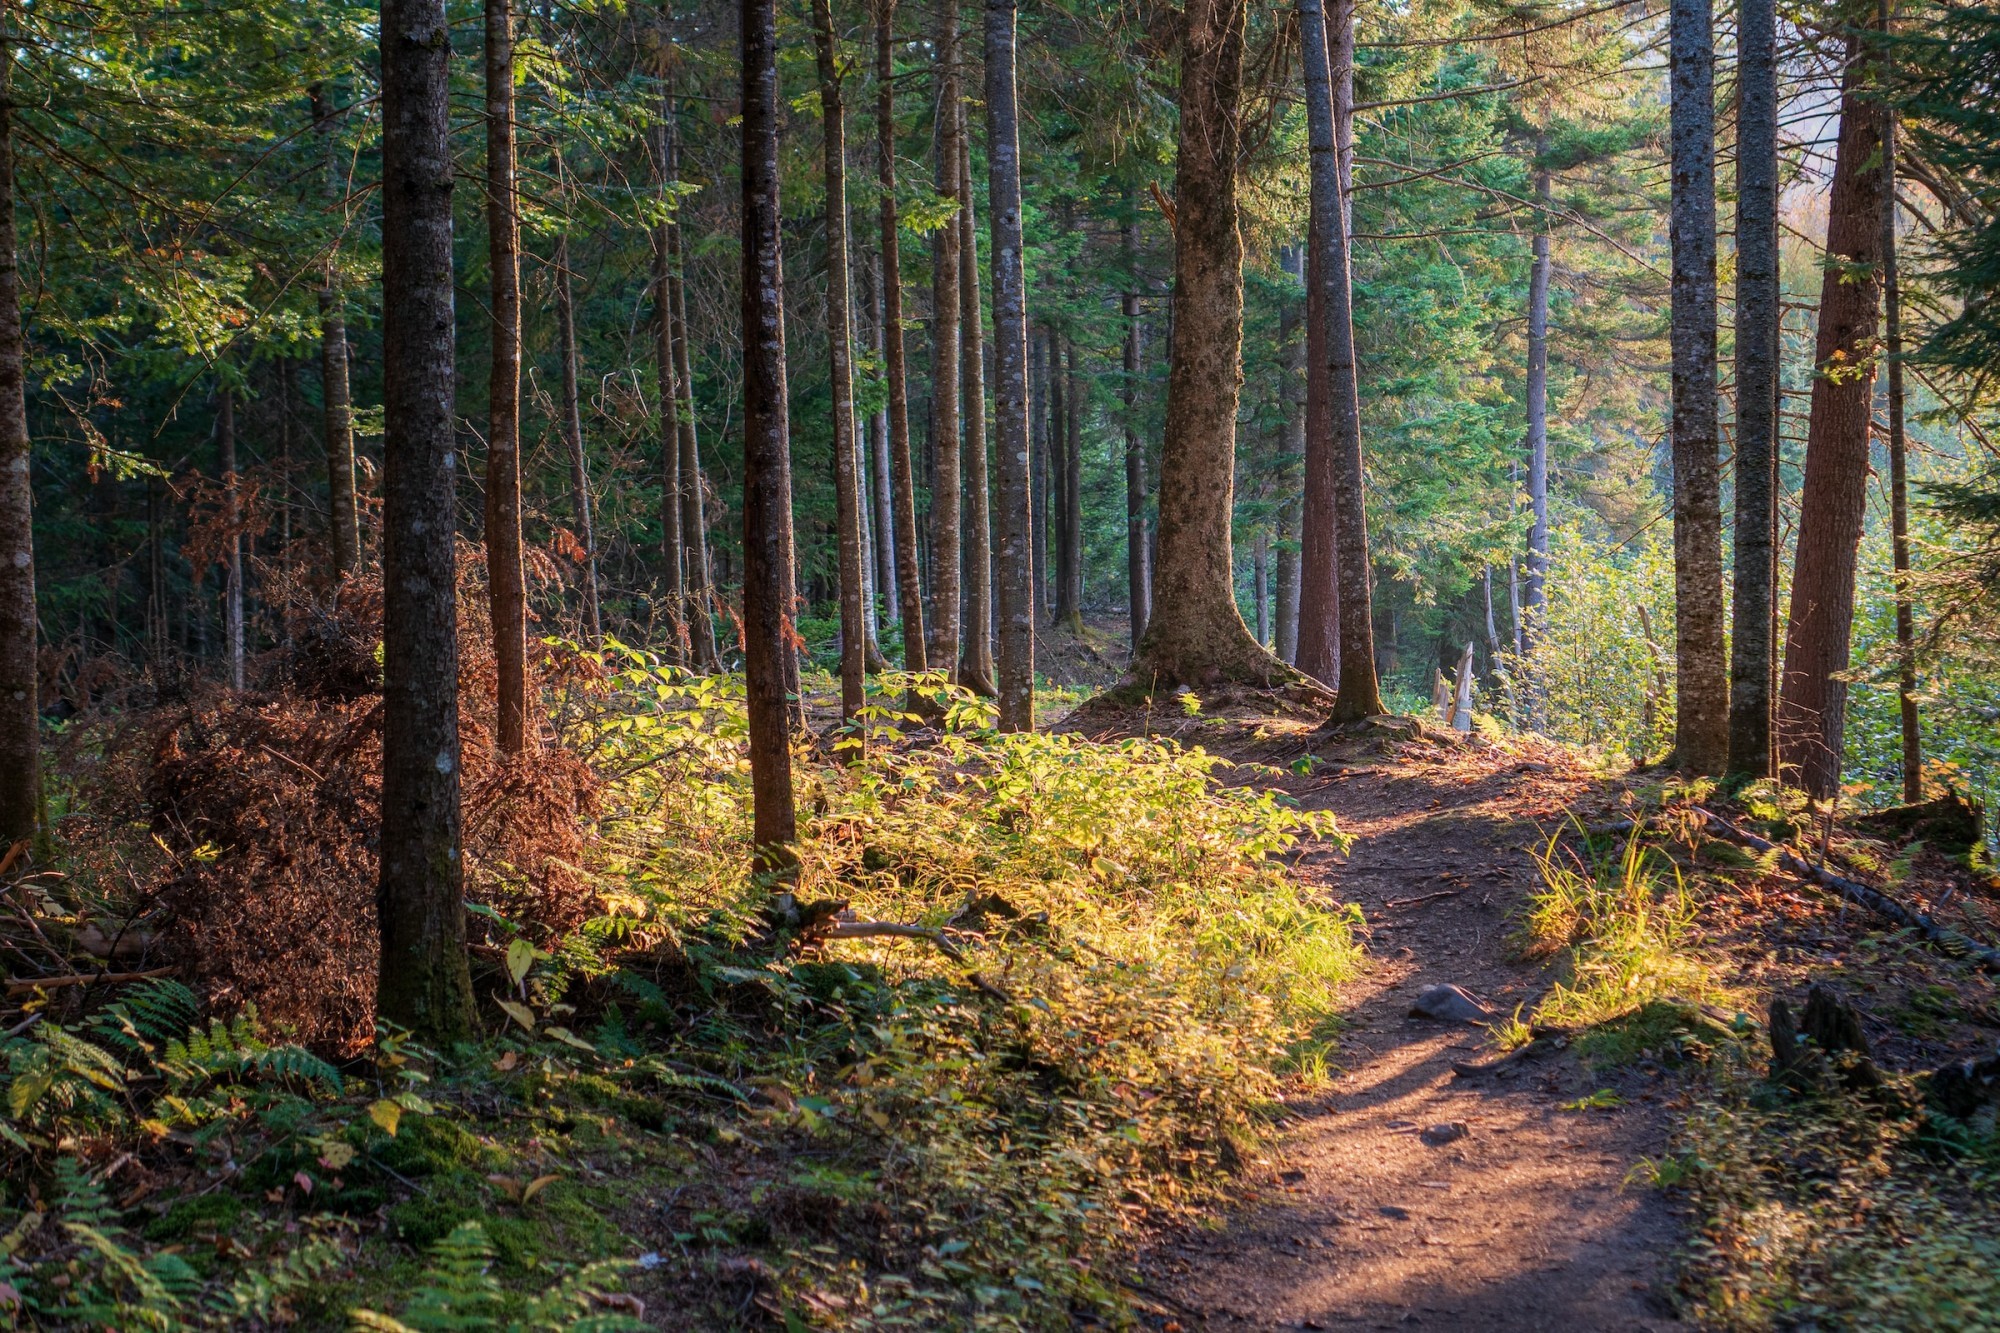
<point x="459" y="1291"/>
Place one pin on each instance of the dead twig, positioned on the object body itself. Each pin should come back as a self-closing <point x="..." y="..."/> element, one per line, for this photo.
<point x="84" y="979"/>
<point x="1425" y="898"/>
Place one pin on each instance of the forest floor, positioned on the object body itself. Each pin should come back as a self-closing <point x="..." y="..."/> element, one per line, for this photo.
<point x="1402" y="1194"/>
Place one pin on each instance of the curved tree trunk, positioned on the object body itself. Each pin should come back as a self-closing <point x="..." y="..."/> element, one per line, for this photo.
<point x="1701" y="684"/>
<point x="506" y="582"/>
<point x="840" y="359"/>
<point x="767" y="584"/>
<point x="908" y="579"/>
<point x="1013" y="500"/>
<point x="1759" y="315"/>
<point x="424" y="983"/>
<point x="1197" y="636"/>
<point x="946" y="533"/>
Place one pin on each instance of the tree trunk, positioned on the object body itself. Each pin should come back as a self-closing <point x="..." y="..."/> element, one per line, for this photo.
<point x="1291" y="403"/>
<point x="976" y="669"/>
<point x="1534" y="593"/>
<point x="1260" y="585"/>
<point x="20" y="726"/>
<point x="907" y="579"/>
<point x="695" y="575"/>
<point x="344" y="523"/>
<point x="1701" y="686"/>
<point x="1069" y="561"/>
<point x="840" y="360"/>
<point x="1138" y="567"/>
<point x="1053" y="456"/>
<point x="945" y="453"/>
<point x="424" y="983"/>
<point x="1759" y="315"/>
<point x="885" y="487"/>
<point x="1287" y="578"/>
<point x="506" y="583"/>
<point x="1196" y="635"/>
<point x="1317" y="651"/>
<point x="232" y="546"/>
<point x="1358" y="694"/>
<point x="1899" y="470"/>
<point x="767" y="585"/>
<point x="1014" y="521"/>
<point x="673" y="547"/>
<point x="1813" y="703"/>
<point x="572" y="429"/>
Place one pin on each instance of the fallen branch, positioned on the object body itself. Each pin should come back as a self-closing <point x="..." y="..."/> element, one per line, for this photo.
<point x="1876" y="901"/>
<point x="84" y="979"/>
<point x="1426" y="898"/>
<point x="861" y="930"/>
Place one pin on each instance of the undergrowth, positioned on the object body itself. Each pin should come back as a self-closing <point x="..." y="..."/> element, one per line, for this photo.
<point x="705" y="1091"/>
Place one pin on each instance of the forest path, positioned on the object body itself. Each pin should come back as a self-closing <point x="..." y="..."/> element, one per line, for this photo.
<point x="1357" y="1219"/>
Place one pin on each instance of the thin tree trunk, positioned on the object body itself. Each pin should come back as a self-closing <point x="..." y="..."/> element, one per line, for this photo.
<point x="840" y="363"/>
<point x="1039" y="411"/>
<point x="232" y="548"/>
<point x="506" y="583"/>
<point x="1287" y="578"/>
<point x="908" y="581"/>
<point x="572" y="428"/>
<point x="1055" y="473"/>
<point x="1138" y="567"/>
<point x="1318" y="649"/>
<point x="695" y="574"/>
<point x="1014" y="525"/>
<point x="1069" y="570"/>
<point x="885" y="487"/>
<point x="1813" y="703"/>
<point x="673" y="547"/>
<point x="1759" y="315"/>
<point x="1701" y="688"/>
<point x="424" y="983"/>
<point x="1899" y="478"/>
<point x="1260" y="585"/>
<point x="1533" y="592"/>
<point x="1196" y="635"/>
<point x="767" y="585"/>
<point x="977" y="662"/>
<point x="946" y="534"/>
<point x="344" y="523"/>
<point x="1291" y="402"/>
<point x="1358" y="694"/>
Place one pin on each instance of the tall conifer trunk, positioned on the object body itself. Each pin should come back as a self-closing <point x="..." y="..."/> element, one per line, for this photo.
<point x="1812" y="705"/>
<point x="1899" y="464"/>
<point x="667" y="388"/>
<point x="343" y="521"/>
<point x="1041" y="391"/>
<point x="424" y="982"/>
<point x="695" y="576"/>
<point x="1069" y="563"/>
<point x="1196" y="635"/>
<point x="1533" y="594"/>
<point x="1291" y="402"/>
<point x="840" y="360"/>
<point x="883" y="474"/>
<point x="1138" y="562"/>
<point x="767" y="583"/>
<point x="507" y="595"/>
<point x="1317" y="649"/>
<point x="1758" y="318"/>
<point x="572" y="432"/>
<point x="977" y="660"/>
<point x="946" y="479"/>
<point x="1701" y="685"/>
<point x="1014" y="524"/>
<point x="908" y="580"/>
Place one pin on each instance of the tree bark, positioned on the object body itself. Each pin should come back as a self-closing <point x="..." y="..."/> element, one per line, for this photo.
<point x="840" y="363"/>
<point x="1039" y="411"/>
<point x="893" y="362"/>
<point x="1813" y="703"/>
<point x="1138" y="565"/>
<point x="695" y="574"/>
<point x="1701" y="685"/>
<point x="883" y="473"/>
<point x="1014" y="525"/>
<point x="1534" y="594"/>
<point x="1899" y="468"/>
<point x="767" y="460"/>
<point x="1759" y="315"/>
<point x="946" y="534"/>
<point x="1358" y="693"/>
<point x="1291" y="403"/>
<point x="424" y="983"/>
<point x="1069" y="549"/>
<point x="976" y="663"/>
<point x="232" y="546"/>
<point x="572" y="429"/>
<point x="1196" y="635"/>
<point x="1317" y="651"/>
<point x="506" y="582"/>
<point x="344" y="524"/>
<point x="673" y="547"/>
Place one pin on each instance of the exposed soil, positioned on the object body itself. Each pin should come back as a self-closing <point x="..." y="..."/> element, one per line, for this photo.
<point x="1362" y="1218"/>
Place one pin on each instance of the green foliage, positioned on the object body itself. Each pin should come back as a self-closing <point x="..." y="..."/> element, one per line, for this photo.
<point x="458" y="1291"/>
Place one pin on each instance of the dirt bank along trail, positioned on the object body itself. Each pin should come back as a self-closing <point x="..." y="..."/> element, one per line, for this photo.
<point x="1403" y="1193"/>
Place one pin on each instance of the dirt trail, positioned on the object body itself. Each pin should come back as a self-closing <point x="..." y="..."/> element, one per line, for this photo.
<point x="1357" y="1221"/>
